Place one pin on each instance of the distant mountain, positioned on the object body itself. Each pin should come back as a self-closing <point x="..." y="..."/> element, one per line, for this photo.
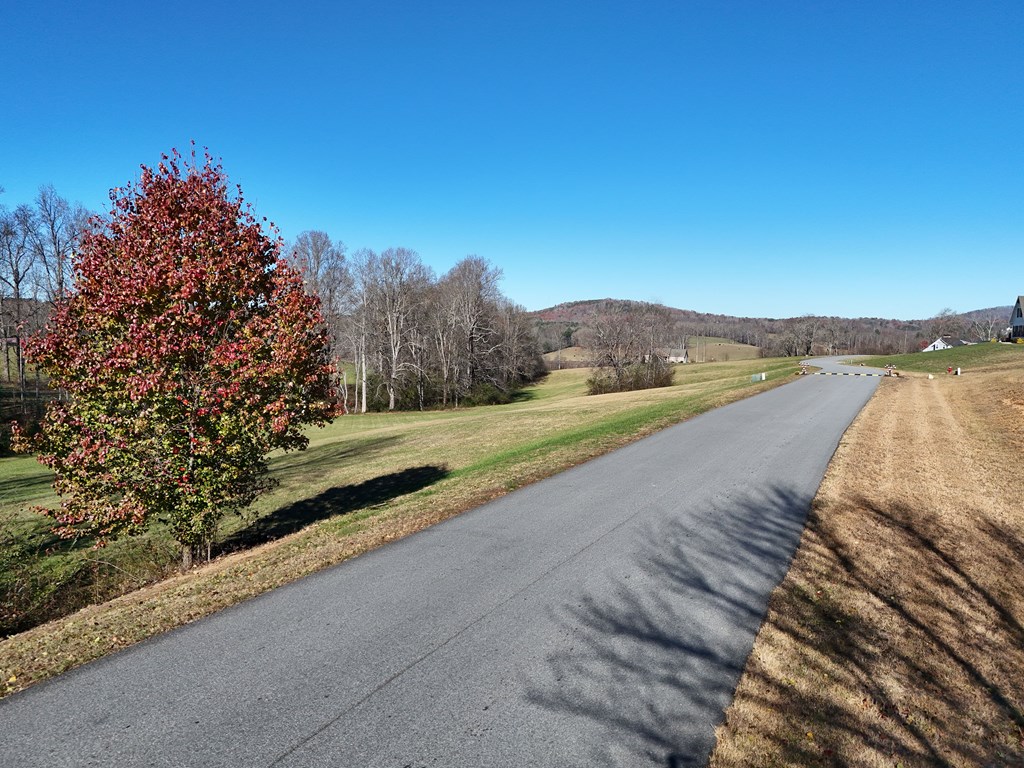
<point x="556" y="328"/>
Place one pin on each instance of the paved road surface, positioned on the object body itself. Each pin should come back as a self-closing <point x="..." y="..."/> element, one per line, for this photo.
<point x="601" y="617"/>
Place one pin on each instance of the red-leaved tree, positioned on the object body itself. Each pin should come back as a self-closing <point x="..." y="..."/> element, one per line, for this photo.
<point x="188" y="351"/>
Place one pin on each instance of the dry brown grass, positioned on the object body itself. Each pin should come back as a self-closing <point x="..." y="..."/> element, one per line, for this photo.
<point x="897" y="638"/>
<point x="568" y="355"/>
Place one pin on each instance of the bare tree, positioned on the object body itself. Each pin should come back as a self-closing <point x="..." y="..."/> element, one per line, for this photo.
<point x="58" y="228"/>
<point x="987" y="328"/>
<point x="518" y="360"/>
<point x="359" y="328"/>
<point x="322" y="263"/>
<point x="946" y="323"/>
<point x="444" y="330"/>
<point x="469" y="295"/>
<point x="17" y="261"/>
<point x="398" y="280"/>
<point x="832" y="335"/>
<point x="806" y="330"/>
<point x="327" y="275"/>
<point x="624" y="339"/>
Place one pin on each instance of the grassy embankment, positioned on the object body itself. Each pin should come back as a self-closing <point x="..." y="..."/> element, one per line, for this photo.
<point x="897" y="637"/>
<point x="364" y="480"/>
<point x="969" y="358"/>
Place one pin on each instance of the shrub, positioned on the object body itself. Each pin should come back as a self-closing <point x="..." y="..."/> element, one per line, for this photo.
<point x="646" y="375"/>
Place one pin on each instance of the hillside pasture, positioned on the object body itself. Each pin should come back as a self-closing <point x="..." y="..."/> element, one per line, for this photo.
<point x="713" y="349"/>
<point x="570" y="357"/>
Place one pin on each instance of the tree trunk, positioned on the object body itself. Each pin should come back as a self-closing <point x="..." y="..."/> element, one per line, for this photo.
<point x="20" y="361"/>
<point x="186" y="557"/>
<point x="364" y="376"/>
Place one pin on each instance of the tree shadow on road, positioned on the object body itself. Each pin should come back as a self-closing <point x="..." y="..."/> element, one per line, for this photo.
<point x="657" y="664"/>
<point x="908" y="674"/>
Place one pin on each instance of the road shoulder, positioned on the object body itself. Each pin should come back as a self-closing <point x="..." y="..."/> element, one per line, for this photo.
<point x="897" y="637"/>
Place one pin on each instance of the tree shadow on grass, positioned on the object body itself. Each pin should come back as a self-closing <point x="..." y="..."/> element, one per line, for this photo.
<point x="528" y="393"/>
<point x="28" y="488"/>
<point x="334" y="501"/>
<point x="922" y="670"/>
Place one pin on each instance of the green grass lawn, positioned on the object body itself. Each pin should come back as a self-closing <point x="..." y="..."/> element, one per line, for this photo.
<point x="357" y="467"/>
<point x="985" y="355"/>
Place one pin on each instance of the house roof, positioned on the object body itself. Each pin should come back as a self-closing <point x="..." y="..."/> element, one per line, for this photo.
<point x="949" y="341"/>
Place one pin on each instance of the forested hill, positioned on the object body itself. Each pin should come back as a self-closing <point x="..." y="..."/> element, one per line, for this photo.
<point x="557" y="326"/>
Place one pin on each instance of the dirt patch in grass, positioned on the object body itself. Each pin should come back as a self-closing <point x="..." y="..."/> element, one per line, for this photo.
<point x="897" y="638"/>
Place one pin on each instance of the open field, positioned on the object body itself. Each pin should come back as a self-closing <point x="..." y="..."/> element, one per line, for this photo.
<point x="365" y="480"/>
<point x="897" y="637"/>
<point x="570" y="356"/>
<point x="714" y="349"/>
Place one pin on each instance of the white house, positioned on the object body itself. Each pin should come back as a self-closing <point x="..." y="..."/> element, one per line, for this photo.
<point x="1017" y="320"/>
<point x="677" y="356"/>
<point x="944" y="342"/>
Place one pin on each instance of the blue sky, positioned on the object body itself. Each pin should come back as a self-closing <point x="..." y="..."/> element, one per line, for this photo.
<point x="751" y="158"/>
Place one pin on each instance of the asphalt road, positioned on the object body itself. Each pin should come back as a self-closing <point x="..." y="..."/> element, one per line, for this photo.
<point x="601" y="617"/>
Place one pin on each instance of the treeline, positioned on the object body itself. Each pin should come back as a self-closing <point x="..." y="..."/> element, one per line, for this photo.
<point x="413" y="340"/>
<point x="810" y="335"/>
<point x="402" y="338"/>
<point x="560" y="327"/>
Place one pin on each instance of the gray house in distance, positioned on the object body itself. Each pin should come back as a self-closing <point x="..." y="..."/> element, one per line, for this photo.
<point x="1017" y="320"/>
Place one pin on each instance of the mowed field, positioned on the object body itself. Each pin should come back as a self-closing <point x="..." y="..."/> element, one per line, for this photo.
<point x="570" y="356"/>
<point x="897" y="638"/>
<point x="365" y="480"/>
<point x="711" y="349"/>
